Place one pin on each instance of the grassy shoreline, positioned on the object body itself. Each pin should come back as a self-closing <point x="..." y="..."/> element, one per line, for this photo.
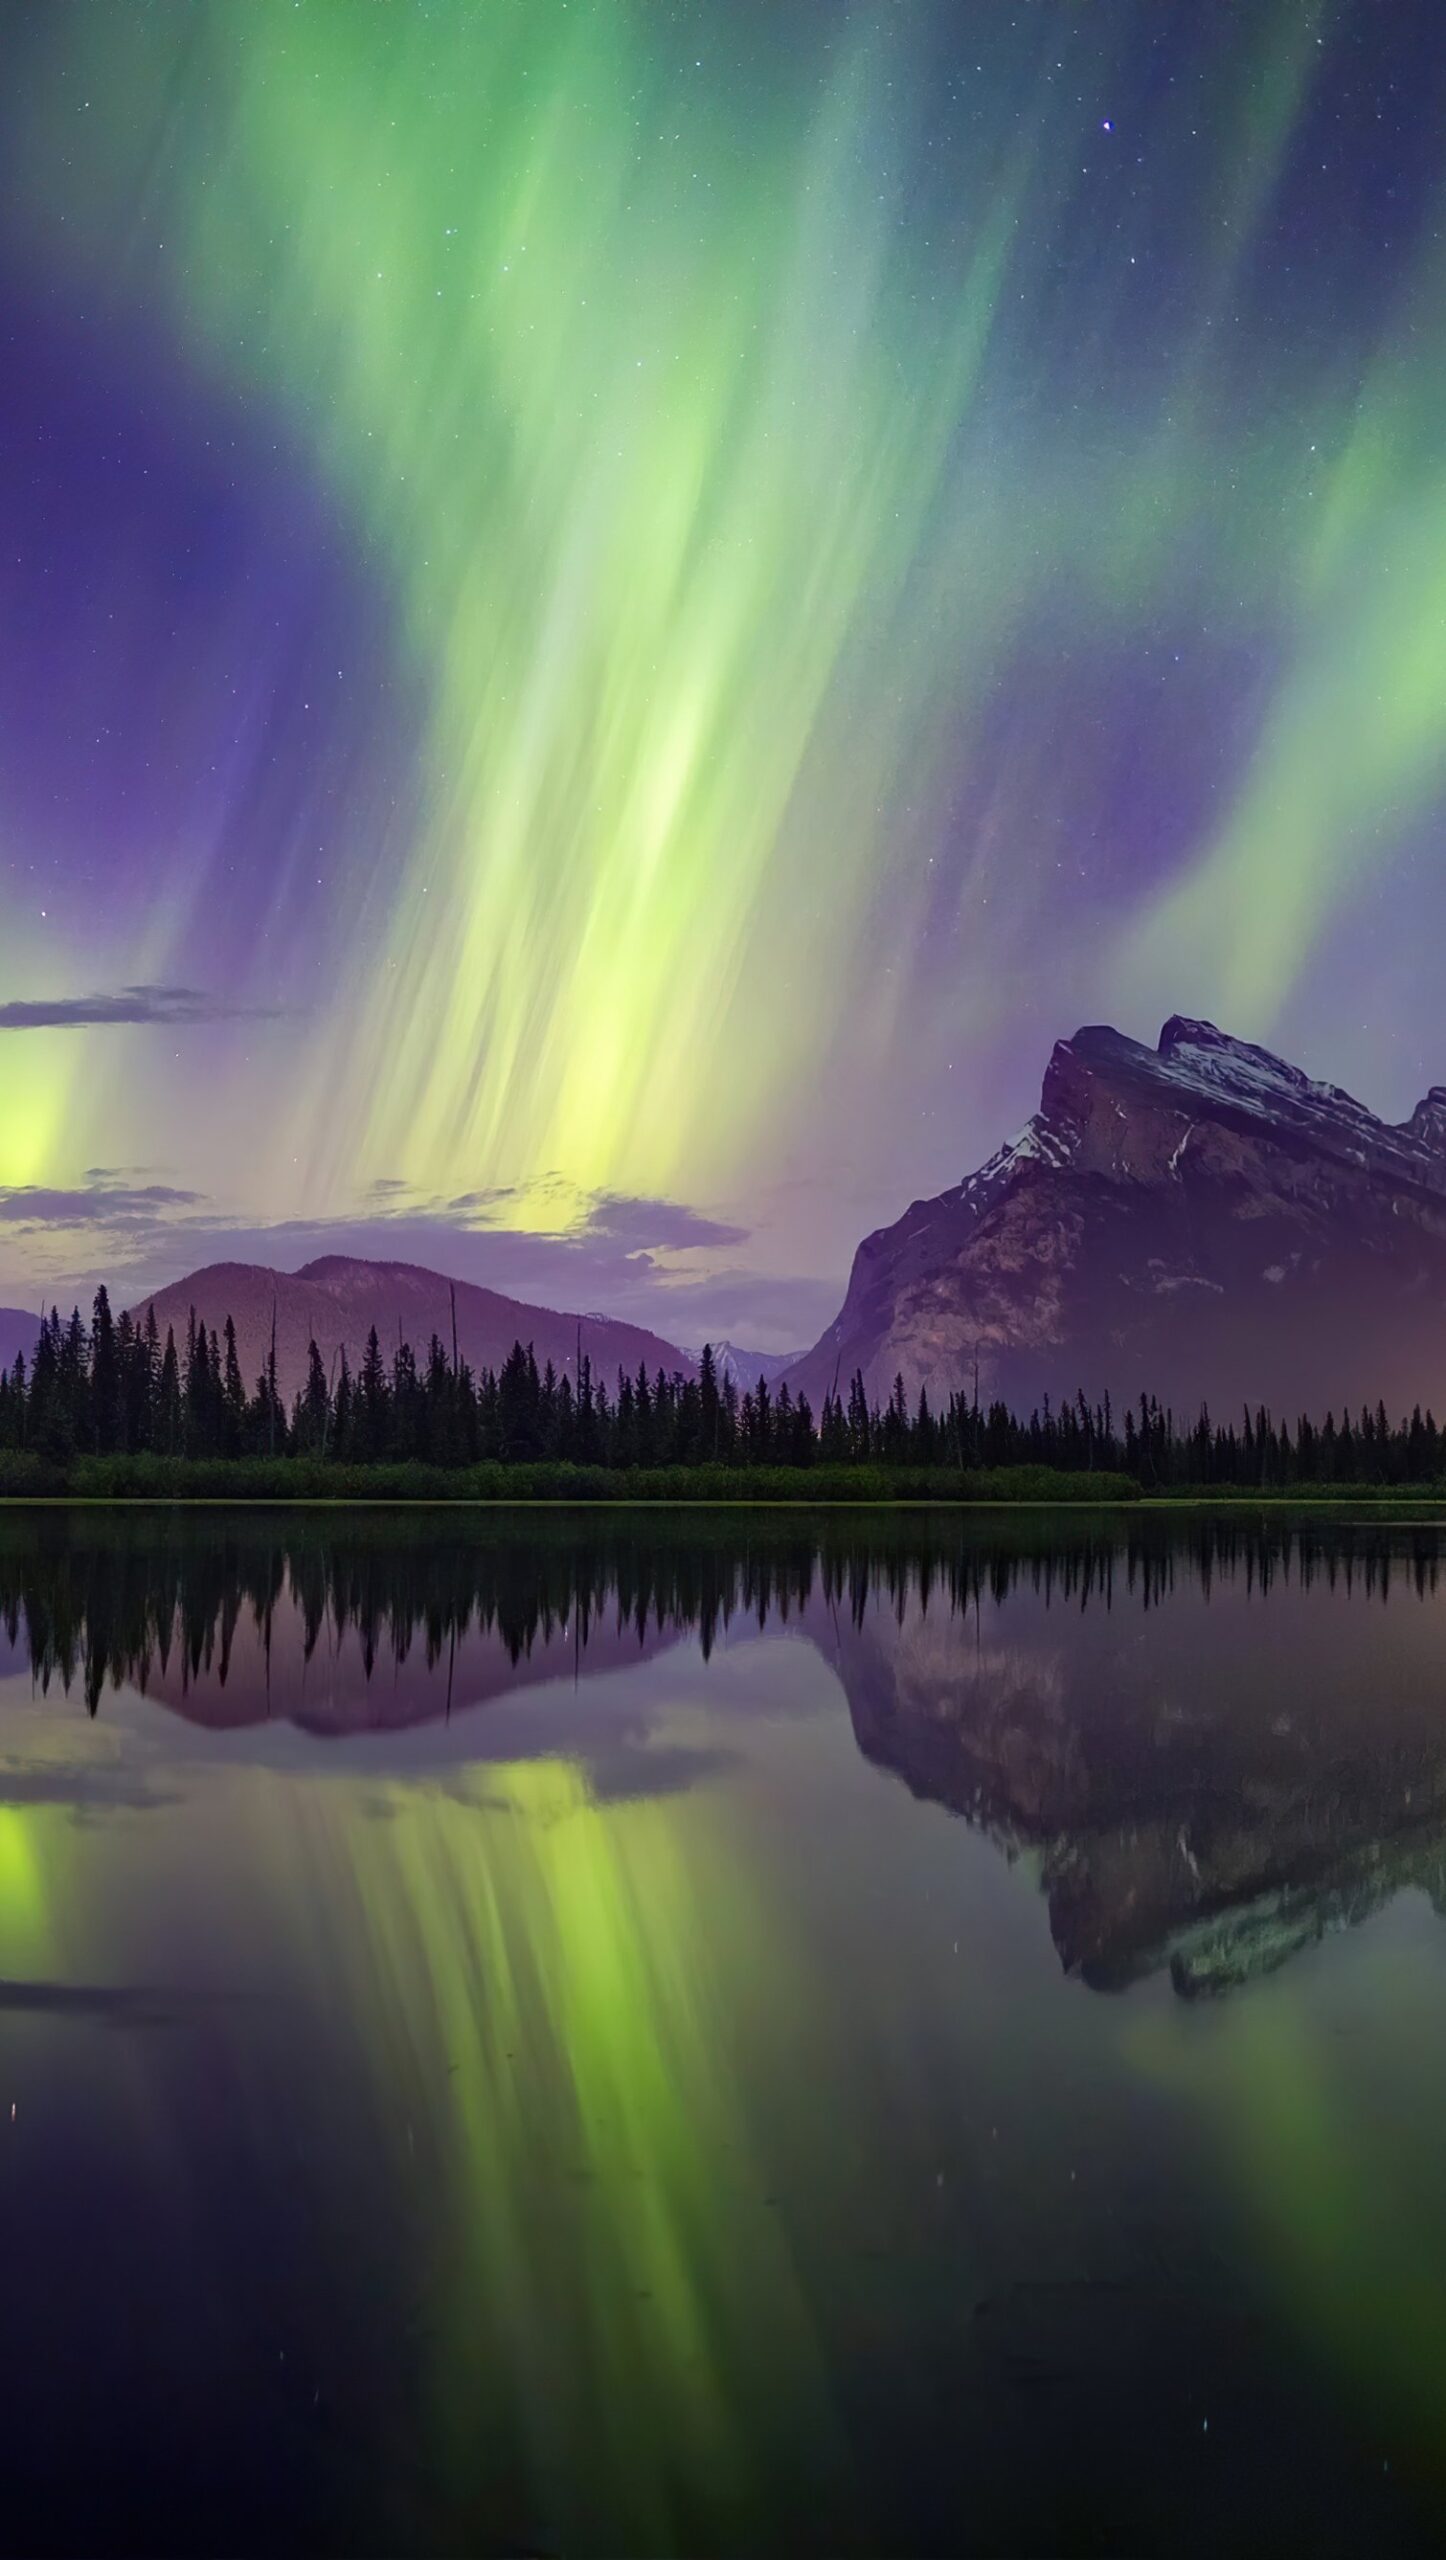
<point x="213" y="1483"/>
<point x="297" y="1480"/>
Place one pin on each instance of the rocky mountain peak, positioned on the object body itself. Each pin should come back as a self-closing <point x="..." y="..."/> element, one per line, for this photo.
<point x="1197" y="1219"/>
<point x="1427" y="1123"/>
<point x="1184" y="1037"/>
<point x="1184" y="1031"/>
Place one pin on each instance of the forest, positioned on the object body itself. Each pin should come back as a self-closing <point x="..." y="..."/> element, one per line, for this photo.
<point x="112" y="1390"/>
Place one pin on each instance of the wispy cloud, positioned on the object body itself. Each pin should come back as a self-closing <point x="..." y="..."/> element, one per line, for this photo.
<point x="657" y="1226"/>
<point x="600" y="1241"/>
<point x="631" y="1223"/>
<point x="167" y="1008"/>
<point x="98" y="1204"/>
<point x="653" y="1262"/>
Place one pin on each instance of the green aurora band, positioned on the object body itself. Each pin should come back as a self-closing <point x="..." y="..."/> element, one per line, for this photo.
<point x="719" y="422"/>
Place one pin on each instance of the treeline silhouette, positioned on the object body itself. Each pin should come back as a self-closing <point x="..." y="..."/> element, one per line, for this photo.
<point x="112" y="1388"/>
<point x="107" y="1600"/>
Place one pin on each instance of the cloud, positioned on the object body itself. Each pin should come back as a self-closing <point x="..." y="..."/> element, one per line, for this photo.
<point x="84" y="1790"/>
<point x="585" y="1266"/>
<point x="467" y="1204"/>
<point x="103" y="1203"/>
<point x="634" y="1224"/>
<point x="166" y="1007"/>
<point x="656" y="1226"/>
<point x="608" y="1254"/>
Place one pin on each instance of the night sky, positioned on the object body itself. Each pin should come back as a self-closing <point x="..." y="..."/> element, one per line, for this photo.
<point x="614" y="615"/>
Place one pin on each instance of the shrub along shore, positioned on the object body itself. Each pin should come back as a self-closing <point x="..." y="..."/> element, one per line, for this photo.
<point x="146" y="1477"/>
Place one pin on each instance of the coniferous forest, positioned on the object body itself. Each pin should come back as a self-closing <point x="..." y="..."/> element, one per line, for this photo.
<point x="97" y="1396"/>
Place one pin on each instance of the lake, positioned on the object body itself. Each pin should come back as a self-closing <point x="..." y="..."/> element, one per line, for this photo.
<point x="575" y="2034"/>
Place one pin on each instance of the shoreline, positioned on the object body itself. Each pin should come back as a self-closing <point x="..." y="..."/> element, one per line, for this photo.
<point x="1427" y="1510"/>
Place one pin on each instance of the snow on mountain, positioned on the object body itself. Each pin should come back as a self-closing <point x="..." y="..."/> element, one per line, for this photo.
<point x="745" y="1368"/>
<point x="1197" y="1219"/>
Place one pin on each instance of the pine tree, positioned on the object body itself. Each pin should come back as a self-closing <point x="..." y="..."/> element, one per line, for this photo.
<point x="710" y="1408"/>
<point x="313" y="1405"/>
<point x="169" y="1426"/>
<point x="343" y="1410"/>
<point x="198" y="1392"/>
<point x="233" y="1398"/>
<point x="371" y="1402"/>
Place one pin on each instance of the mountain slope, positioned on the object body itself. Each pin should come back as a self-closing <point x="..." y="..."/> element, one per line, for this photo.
<point x="1196" y="1220"/>
<point x="1183" y="1825"/>
<point x="337" y="1300"/>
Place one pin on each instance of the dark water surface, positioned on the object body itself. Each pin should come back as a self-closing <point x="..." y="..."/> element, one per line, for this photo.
<point x="599" y="2035"/>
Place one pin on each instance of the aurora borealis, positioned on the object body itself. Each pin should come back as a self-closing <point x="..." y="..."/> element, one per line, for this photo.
<point x="615" y="614"/>
<point x="889" y="1958"/>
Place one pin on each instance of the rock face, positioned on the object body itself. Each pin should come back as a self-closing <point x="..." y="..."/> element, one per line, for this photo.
<point x="745" y="1368"/>
<point x="337" y="1300"/>
<point x="1199" y="1220"/>
<point x="1183" y="1807"/>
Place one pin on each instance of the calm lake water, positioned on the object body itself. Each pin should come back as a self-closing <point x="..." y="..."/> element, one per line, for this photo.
<point x="596" y="2035"/>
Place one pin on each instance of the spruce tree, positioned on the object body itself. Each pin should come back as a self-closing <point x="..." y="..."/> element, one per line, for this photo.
<point x="233" y="1398"/>
<point x="371" y="1401"/>
<point x="710" y="1408"/>
<point x="169" y="1428"/>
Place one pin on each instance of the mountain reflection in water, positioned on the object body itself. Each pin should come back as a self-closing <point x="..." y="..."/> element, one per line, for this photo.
<point x="1208" y="1802"/>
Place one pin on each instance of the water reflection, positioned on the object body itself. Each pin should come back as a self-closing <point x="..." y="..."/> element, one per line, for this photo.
<point x="1207" y="1795"/>
<point x="568" y="2034"/>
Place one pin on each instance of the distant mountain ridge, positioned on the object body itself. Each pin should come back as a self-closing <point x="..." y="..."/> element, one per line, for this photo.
<point x="337" y="1300"/>
<point x="1198" y="1220"/>
<point x="745" y="1368"/>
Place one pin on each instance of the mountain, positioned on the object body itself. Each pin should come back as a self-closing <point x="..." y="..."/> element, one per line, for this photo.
<point x="18" y="1332"/>
<point x="336" y="1301"/>
<point x="1189" y="1826"/>
<point x="745" y="1368"/>
<point x="267" y="1667"/>
<point x="1199" y="1220"/>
